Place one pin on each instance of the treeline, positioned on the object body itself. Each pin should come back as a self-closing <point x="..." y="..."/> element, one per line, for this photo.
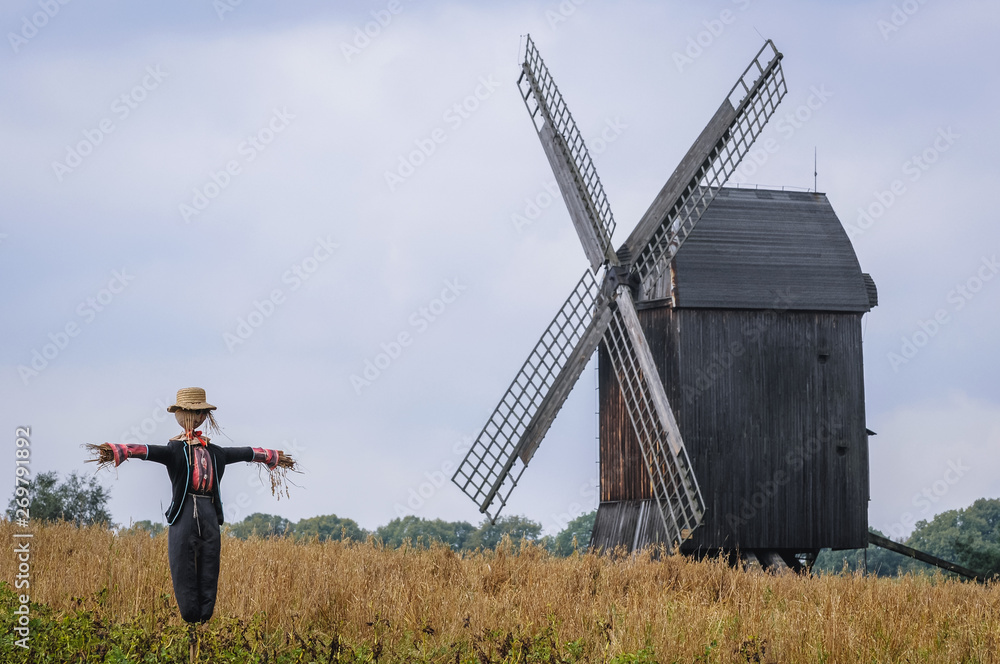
<point x="83" y="501"/>
<point x="459" y="535"/>
<point x="969" y="536"/>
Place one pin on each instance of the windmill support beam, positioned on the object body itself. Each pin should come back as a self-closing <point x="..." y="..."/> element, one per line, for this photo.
<point x="645" y="358"/>
<point x="685" y="174"/>
<point x="916" y="554"/>
<point x="563" y="384"/>
<point x="567" y="153"/>
<point x="567" y="179"/>
<point x="675" y="489"/>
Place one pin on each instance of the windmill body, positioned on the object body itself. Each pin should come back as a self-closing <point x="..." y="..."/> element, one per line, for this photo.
<point x="703" y="269"/>
<point x="756" y="334"/>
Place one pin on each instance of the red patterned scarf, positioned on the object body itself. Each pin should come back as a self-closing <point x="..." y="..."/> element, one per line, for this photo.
<point x="194" y="438"/>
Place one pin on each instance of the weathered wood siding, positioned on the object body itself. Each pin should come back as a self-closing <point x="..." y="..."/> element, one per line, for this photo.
<point x="761" y="249"/>
<point x="771" y="408"/>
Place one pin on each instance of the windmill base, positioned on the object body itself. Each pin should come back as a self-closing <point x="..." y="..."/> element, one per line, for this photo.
<point x="632" y="525"/>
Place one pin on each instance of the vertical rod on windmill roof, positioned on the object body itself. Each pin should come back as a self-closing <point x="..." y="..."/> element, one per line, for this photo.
<point x="815" y="170"/>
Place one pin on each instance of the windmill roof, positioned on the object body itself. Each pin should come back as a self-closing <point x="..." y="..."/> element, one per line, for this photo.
<point x="769" y="249"/>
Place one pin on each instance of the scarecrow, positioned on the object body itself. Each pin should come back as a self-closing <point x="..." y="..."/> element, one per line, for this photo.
<point x="195" y="467"/>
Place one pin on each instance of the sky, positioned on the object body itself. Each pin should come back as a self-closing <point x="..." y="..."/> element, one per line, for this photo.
<point x="262" y="198"/>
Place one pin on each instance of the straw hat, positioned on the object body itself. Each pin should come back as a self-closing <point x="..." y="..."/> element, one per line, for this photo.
<point x="190" y="398"/>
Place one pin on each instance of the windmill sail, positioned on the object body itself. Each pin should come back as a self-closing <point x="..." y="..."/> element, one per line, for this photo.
<point x="592" y="313"/>
<point x="671" y="477"/>
<point x="501" y="452"/>
<point x="708" y="164"/>
<point x="570" y="160"/>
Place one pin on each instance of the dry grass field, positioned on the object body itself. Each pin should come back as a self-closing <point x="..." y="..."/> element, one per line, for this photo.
<point x="342" y="601"/>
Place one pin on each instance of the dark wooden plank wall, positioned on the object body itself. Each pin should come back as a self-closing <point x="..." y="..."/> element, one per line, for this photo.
<point x="771" y="408"/>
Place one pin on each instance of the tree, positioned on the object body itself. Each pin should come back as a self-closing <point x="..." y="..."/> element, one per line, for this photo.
<point x="967" y="536"/>
<point x="261" y="525"/>
<point x="82" y="501"/>
<point x="329" y="527"/>
<point x="488" y="535"/>
<point x="579" y="529"/>
<point x="147" y="526"/>
<point x="416" y="529"/>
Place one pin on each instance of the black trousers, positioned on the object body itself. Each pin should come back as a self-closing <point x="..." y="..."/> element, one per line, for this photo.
<point x="193" y="545"/>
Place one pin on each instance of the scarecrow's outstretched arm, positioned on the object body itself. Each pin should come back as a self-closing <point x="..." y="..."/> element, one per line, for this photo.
<point x="158" y="454"/>
<point x="278" y="463"/>
<point x="270" y="458"/>
<point x="108" y="453"/>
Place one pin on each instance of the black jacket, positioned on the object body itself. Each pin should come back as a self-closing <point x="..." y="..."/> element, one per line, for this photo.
<point x="174" y="455"/>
